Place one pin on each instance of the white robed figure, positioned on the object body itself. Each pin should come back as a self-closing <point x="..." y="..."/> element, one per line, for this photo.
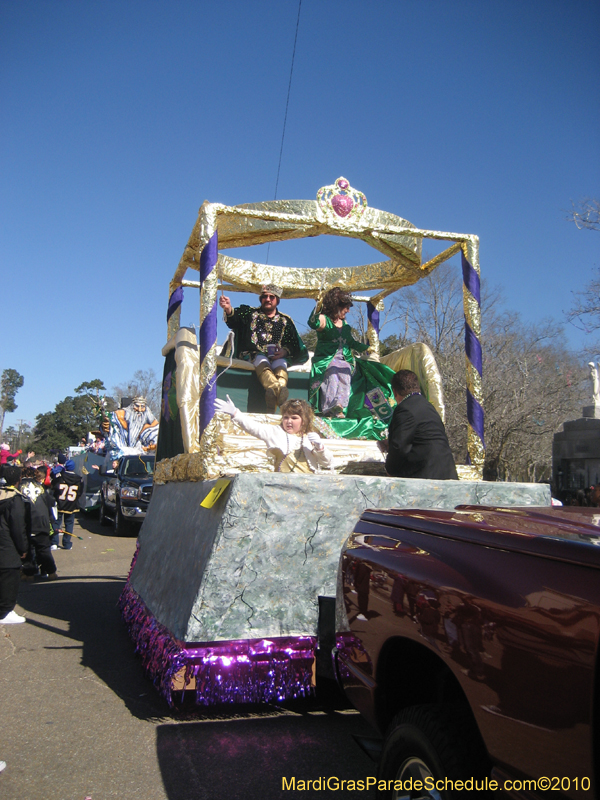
<point x="133" y="430"/>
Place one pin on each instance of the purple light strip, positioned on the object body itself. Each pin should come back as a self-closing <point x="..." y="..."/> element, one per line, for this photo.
<point x="373" y="316"/>
<point x="473" y="350"/>
<point x="175" y="302"/>
<point x="208" y="331"/>
<point x="239" y="671"/>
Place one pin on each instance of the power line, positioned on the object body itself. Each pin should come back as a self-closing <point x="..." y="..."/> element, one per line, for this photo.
<point x="287" y="103"/>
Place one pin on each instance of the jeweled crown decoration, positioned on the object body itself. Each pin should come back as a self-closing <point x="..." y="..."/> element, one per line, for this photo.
<point x="340" y="202"/>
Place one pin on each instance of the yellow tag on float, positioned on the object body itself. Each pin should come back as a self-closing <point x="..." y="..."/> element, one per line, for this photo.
<point x="216" y="492"/>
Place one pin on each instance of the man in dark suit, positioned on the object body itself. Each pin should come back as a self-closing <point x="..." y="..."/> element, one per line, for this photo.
<point x="417" y="442"/>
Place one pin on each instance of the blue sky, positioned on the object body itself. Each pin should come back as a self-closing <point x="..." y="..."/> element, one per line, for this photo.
<point x="120" y="118"/>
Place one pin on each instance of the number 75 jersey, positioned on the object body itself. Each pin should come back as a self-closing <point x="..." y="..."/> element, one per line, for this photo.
<point x="67" y="489"/>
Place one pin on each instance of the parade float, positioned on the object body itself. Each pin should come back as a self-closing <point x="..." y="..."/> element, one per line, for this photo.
<point x="231" y="593"/>
<point x="128" y="431"/>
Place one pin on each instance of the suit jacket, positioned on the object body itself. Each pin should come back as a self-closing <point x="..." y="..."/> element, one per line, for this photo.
<point x="418" y="445"/>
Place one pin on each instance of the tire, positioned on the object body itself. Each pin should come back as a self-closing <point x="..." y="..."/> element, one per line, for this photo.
<point x="121" y="524"/>
<point x="431" y="742"/>
<point x="104" y="520"/>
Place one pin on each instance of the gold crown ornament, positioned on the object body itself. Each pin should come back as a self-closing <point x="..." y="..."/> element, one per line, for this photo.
<point x="340" y="204"/>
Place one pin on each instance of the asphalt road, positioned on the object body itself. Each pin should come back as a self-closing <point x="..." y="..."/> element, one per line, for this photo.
<point x="79" y="719"/>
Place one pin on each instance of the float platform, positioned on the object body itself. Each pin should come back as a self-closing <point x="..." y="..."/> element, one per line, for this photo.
<point x="225" y="600"/>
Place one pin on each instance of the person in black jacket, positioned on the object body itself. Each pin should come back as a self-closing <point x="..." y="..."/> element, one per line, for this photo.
<point x="13" y="545"/>
<point x="42" y="508"/>
<point x="417" y="445"/>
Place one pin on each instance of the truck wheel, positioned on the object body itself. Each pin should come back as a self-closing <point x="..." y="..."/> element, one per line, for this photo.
<point x="121" y="524"/>
<point x="429" y="743"/>
<point x="104" y="520"/>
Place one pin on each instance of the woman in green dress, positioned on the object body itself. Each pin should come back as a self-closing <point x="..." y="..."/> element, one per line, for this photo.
<point x="333" y="362"/>
<point x="340" y="385"/>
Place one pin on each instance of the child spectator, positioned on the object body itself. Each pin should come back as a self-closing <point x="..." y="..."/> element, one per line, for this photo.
<point x="67" y="489"/>
<point x="42" y="508"/>
<point x="59" y="465"/>
<point x="5" y="455"/>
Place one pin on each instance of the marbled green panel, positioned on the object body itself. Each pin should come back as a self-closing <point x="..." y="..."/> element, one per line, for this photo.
<point x="255" y="564"/>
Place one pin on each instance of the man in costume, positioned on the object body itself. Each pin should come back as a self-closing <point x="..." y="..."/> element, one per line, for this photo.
<point x="268" y="339"/>
<point x="417" y="445"/>
<point x="133" y="430"/>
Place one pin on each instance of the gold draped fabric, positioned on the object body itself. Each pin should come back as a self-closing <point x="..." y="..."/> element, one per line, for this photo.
<point x="236" y="451"/>
<point x="188" y="384"/>
<point x="398" y="240"/>
<point x="420" y="360"/>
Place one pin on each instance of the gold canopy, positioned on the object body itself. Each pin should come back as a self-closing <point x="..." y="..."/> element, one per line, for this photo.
<point x="279" y="220"/>
<point x="339" y="210"/>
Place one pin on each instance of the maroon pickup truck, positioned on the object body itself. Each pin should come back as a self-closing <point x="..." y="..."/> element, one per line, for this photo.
<point x="469" y="639"/>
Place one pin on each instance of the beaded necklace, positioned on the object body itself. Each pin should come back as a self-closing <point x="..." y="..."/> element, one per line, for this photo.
<point x="407" y="396"/>
<point x="288" y="449"/>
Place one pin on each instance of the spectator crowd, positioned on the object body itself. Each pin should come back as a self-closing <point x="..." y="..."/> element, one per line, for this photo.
<point x="38" y="501"/>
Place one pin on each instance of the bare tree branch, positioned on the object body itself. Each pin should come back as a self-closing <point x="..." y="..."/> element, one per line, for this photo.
<point x="531" y="382"/>
<point x="145" y="383"/>
<point x="585" y="214"/>
<point x="585" y="313"/>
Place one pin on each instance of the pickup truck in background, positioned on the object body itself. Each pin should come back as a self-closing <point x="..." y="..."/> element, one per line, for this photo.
<point x="126" y="492"/>
<point x="470" y="640"/>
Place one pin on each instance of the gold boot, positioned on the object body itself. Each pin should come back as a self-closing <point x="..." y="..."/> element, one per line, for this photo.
<point x="267" y="378"/>
<point x="282" y="379"/>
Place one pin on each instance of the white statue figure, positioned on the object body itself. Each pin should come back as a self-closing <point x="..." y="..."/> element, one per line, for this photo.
<point x="133" y="430"/>
<point x="595" y="382"/>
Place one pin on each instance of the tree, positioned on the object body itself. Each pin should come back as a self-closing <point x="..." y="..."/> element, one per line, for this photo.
<point x="144" y="383"/>
<point x="310" y="340"/>
<point x="586" y="214"/>
<point x="431" y="311"/>
<point x="89" y="387"/>
<point x="585" y="313"/>
<point x="20" y="438"/>
<point x="10" y="383"/>
<point x="531" y="382"/>
<point x="70" y="421"/>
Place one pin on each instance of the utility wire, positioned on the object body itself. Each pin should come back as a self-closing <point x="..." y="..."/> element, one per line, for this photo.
<point x="287" y="103"/>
